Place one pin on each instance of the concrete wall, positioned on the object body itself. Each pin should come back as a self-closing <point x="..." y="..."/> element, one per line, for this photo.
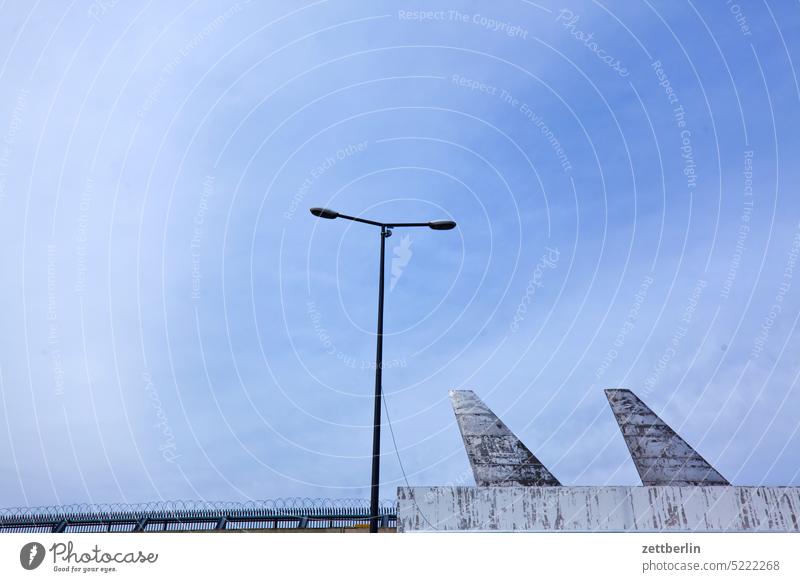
<point x="644" y="509"/>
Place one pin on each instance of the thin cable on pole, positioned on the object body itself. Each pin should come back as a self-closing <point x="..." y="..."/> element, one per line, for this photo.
<point x="400" y="461"/>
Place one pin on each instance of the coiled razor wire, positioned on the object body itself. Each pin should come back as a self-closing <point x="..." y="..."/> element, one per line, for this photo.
<point x="284" y="506"/>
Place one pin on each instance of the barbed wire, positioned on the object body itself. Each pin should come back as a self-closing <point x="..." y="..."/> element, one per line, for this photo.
<point x="179" y="507"/>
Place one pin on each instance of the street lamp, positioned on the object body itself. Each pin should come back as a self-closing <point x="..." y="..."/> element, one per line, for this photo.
<point x="386" y="232"/>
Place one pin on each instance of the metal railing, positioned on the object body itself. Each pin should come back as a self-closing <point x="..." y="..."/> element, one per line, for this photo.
<point x="271" y="514"/>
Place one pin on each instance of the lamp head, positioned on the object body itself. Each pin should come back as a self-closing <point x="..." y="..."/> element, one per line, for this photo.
<point x="442" y="224"/>
<point x="324" y="213"/>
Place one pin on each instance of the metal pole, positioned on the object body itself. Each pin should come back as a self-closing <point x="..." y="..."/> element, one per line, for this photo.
<point x="376" y="428"/>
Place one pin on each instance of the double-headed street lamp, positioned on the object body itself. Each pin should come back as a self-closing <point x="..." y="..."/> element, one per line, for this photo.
<point x="386" y="232"/>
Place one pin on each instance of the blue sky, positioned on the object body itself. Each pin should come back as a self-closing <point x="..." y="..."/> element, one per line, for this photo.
<point x="178" y="326"/>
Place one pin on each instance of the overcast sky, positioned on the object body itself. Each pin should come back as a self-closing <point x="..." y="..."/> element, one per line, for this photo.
<point x="176" y="325"/>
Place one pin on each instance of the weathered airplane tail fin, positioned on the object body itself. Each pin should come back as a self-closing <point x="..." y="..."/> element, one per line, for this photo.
<point x="660" y="455"/>
<point x="498" y="458"/>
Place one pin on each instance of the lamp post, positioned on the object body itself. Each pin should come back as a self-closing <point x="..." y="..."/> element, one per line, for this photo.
<point x="386" y="232"/>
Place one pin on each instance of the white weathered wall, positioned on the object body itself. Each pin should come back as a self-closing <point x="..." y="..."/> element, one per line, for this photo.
<point x="665" y="508"/>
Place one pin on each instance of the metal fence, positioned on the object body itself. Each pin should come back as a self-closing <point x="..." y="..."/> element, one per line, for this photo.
<point x="175" y="516"/>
